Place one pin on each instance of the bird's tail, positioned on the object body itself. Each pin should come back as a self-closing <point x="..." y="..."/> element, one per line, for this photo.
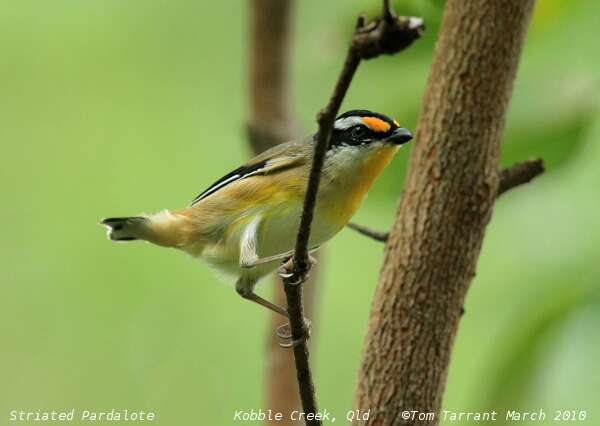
<point x="164" y="229"/>
<point x="126" y="228"/>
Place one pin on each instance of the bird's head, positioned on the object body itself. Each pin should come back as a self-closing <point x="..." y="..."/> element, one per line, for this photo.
<point x="362" y="145"/>
<point x="362" y="128"/>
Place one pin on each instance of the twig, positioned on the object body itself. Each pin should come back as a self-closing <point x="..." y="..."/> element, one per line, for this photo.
<point x="382" y="36"/>
<point x="388" y="12"/>
<point x="387" y="35"/>
<point x="519" y="174"/>
<point x="510" y="177"/>
<point x="270" y="123"/>
<point x="368" y="232"/>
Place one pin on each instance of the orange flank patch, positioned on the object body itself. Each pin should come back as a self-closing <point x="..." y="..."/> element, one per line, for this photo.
<point x="376" y="124"/>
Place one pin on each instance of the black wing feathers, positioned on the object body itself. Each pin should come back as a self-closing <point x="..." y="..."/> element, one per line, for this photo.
<point x="238" y="173"/>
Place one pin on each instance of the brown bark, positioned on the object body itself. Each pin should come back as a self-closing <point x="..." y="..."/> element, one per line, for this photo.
<point x="447" y="202"/>
<point x="270" y="123"/>
<point x="519" y="174"/>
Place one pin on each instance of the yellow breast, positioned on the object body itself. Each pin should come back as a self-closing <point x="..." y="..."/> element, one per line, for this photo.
<point x="345" y="200"/>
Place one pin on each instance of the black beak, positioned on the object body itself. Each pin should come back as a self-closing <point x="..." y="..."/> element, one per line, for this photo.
<point x="399" y="136"/>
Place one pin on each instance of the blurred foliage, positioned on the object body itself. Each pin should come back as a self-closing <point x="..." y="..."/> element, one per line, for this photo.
<point x="515" y="377"/>
<point x="118" y="107"/>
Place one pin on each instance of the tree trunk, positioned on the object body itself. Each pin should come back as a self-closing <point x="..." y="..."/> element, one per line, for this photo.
<point x="447" y="202"/>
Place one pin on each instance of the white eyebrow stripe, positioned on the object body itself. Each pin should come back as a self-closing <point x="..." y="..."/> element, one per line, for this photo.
<point x="347" y="122"/>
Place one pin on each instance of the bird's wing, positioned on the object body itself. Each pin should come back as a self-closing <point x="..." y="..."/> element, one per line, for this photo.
<point x="276" y="159"/>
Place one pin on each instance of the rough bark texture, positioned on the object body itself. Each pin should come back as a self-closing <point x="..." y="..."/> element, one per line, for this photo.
<point x="447" y="202"/>
<point x="270" y="123"/>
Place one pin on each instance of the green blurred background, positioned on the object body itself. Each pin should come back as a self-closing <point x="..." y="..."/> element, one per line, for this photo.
<point x="113" y="108"/>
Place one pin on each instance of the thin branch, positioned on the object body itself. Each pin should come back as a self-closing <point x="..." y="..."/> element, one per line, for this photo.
<point x="369" y="232"/>
<point x="387" y="35"/>
<point x="519" y="174"/>
<point x="270" y="122"/>
<point x="369" y="41"/>
<point x="388" y="12"/>
<point x="382" y="36"/>
<point x="510" y="177"/>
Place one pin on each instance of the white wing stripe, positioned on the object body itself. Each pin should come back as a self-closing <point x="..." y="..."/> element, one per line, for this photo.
<point x="248" y="249"/>
<point x="214" y="188"/>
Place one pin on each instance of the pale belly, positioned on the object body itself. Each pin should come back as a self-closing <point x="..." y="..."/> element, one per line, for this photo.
<point x="276" y="234"/>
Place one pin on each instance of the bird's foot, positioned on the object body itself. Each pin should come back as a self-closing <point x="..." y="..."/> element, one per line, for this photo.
<point x="284" y="332"/>
<point x="286" y="271"/>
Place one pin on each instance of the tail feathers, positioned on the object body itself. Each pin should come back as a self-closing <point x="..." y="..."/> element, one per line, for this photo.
<point x="125" y="228"/>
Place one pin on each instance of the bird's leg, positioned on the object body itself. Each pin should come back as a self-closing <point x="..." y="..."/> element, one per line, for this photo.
<point x="244" y="291"/>
<point x="248" y="255"/>
<point x="253" y="262"/>
<point x="286" y="271"/>
<point x="243" y="288"/>
<point x="245" y="284"/>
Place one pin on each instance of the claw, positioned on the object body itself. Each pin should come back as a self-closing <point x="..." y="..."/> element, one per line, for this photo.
<point x="292" y="343"/>
<point x="285" y="274"/>
<point x="284" y="332"/>
<point x="286" y="270"/>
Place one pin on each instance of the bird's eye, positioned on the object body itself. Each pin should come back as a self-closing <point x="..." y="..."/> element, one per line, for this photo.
<point x="358" y="132"/>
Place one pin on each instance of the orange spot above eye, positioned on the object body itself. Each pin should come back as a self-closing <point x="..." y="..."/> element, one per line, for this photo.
<point x="376" y="124"/>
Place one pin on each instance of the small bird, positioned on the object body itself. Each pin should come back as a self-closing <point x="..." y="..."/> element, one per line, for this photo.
<point x="245" y="223"/>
